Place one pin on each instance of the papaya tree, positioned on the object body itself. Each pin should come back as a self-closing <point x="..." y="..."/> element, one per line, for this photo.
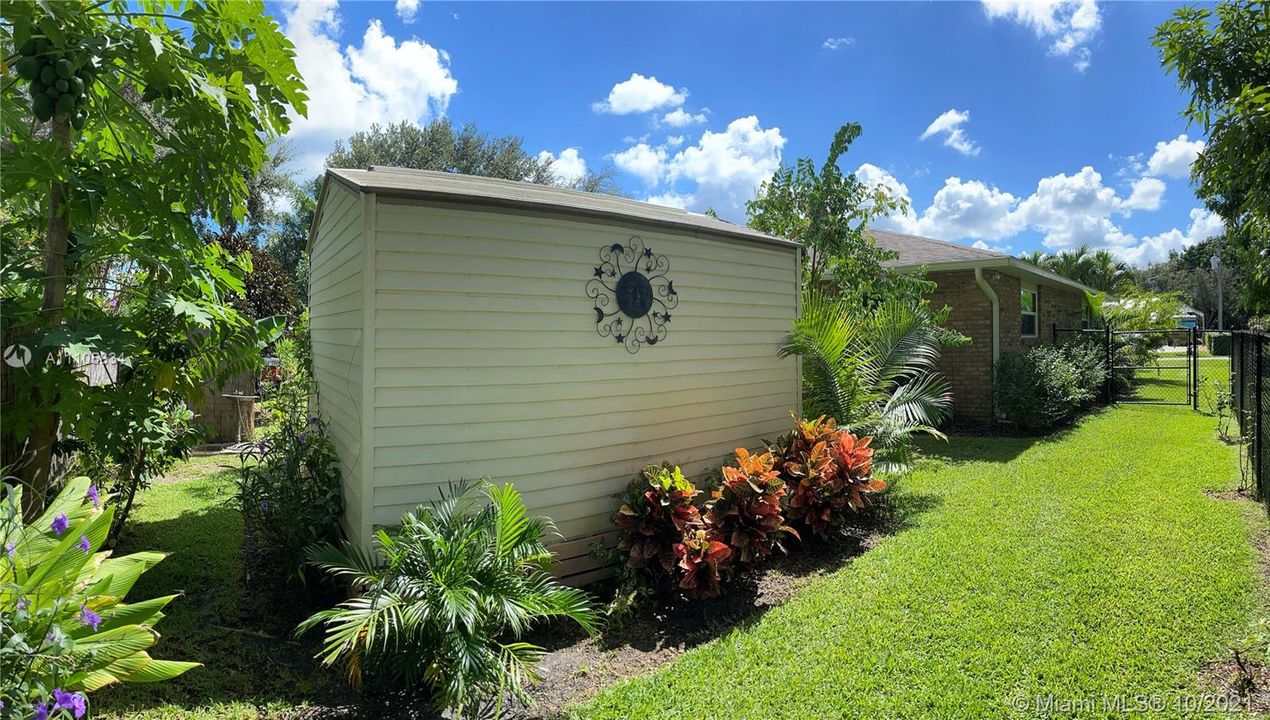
<point x="122" y="121"/>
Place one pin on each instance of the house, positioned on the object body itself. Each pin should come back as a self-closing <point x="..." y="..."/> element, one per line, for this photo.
<point x="465" y="327"/>
<point x="1000" y="302"/>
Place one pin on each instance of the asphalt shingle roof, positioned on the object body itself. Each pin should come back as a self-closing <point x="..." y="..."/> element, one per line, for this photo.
<point x="916" y="250"/>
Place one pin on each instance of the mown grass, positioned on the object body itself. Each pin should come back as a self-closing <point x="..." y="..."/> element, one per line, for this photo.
<point x="1084" y="566"/>
<point x="253" y="667"/>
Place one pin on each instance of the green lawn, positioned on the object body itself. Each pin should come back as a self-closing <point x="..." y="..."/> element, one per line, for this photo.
<point x="253" y="666"/>
<point x="1083" y="566"/>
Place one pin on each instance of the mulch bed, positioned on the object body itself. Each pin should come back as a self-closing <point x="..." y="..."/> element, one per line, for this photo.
<point x="576" y="667"/>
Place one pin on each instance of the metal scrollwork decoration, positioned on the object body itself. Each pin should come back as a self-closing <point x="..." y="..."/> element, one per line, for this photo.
<point x="632" y="294"/>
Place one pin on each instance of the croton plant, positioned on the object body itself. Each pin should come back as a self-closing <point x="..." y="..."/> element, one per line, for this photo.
<point x="829" y="472"/>
<point x="657" y="510"/>
<point x="745" y="510"/>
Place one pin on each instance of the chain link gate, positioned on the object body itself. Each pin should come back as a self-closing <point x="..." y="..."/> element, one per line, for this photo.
<point x="1145" y="367"/>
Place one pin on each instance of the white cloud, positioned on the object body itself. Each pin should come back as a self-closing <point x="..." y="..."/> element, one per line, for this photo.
<point x="640" y="94"/>
<point x="837" y="43"/>
<point x="729" y="166"/>
<point x="1146" y="194"/>
<point x="568" y="166"/>
<point x="872" y="176"/>
<point x="643" y="161"/>
<point x="1074" y="209"/>
<point x="379" y="81"/>
<point x="1156" y="248"/>
<point x="675" y="140"/>
<point x="674" y="200"/>
<point x="680" y="117"/>
<point x="1003" y="249"/>
<point x="969" y="209"/>
<point x="1173" y="158"/>
<point x="949" y="125"/>
<point x="406" y="10"/>
<point x="1070" y="25"/>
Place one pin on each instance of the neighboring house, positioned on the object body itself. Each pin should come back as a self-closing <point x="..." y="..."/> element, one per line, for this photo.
<point x="1000" y="302"/>
<point x="558" y="340"/>
<point x="1188" y="318"/>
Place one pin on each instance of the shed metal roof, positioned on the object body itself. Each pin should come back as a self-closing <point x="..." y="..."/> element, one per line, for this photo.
<point x="493" y="192"/>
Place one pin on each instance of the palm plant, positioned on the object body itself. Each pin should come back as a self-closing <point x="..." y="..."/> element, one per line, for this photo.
<point x="442" y="605"/>
<point x="873" y="371"/>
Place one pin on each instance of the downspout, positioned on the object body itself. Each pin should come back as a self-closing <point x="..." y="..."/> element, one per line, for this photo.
<point x="996" y="327"/>
<point x="996" y="314"/>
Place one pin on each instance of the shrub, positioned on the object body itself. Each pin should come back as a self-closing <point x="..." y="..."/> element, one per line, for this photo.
<point x="830" y="473"/>
<point x="657" y="510"/>
<point x="874" y="370"/>
<point x="442" y="602"/>
<point x="702" y="557"/>
<point x="745" y="510"/>
<point x="64" y="628"/>
<point x="1219" y="344"/>
<point x="289" y="493"/>
<point x="1037" y="389"/>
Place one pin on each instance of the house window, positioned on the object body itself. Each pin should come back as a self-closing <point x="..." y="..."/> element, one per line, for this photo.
<point x="1027" y="308"/>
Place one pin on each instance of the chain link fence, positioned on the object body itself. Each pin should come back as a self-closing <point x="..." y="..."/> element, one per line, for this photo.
<point x="1249" y="366"/>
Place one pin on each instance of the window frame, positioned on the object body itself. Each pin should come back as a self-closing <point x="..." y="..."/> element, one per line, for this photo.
<point x="1035" y="313"/>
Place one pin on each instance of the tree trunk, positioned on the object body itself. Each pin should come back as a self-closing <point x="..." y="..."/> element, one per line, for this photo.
<point x="36" y="470"/>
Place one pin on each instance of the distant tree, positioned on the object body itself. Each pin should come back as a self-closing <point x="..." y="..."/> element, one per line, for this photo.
<point x="1098" y="269"/>
<point x="1189" y="274"/>
<point x="441" y="146"/>
<point x="829" y="213"/>
<point x="1221" y="56"/>
<point x="288" y="237"/>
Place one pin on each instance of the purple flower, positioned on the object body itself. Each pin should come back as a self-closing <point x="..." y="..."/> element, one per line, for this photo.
<point x="88" y="617"/>
<point x="60" y="523"/>
<point x="302" y="437"/>
<point x="23" y="603"/>
<point x="264" y="506"/>
<point x="70" y="701"/>
<point x="313" y="419"/>
<point x="11" y="550"/>
<point x="93" y="495"/>
<point x="41" y="712"/>
<point x="261" y="446"/>
<point x="84" y="544"/>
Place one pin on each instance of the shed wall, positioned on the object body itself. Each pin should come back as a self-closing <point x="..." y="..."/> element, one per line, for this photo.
<point x="336" y="322"/>
<point x="487" y="360"/>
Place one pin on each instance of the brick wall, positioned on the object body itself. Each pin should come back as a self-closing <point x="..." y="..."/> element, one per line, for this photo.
<point x="969" y="368"/>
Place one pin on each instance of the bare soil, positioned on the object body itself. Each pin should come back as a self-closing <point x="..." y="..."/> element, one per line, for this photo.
<point x="576" y="667"/>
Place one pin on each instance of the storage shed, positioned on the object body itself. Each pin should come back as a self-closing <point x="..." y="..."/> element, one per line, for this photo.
<point x="558" y="340"/>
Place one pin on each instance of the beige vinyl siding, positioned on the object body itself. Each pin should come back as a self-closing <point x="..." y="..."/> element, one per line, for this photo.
<point x="337" y="319"/>
<point x="487" y="360"/>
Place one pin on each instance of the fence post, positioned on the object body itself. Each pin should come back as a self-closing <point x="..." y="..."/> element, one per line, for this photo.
<point x="1110" y="384"/>
<point x="1258" y="438"/>
<point x="1193" y="351"/>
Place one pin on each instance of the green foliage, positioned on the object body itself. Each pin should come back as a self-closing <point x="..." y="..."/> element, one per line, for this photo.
<point x="63" y="624"/>
<point x="100" y="252"/>
<point x="164" y="436"/>
<point x="1042" y="387"/>
<point x="1189" y="275"/>
<point x="1221" y="57"/>
<point x="1098" y="269"/>
<point x="443" y="601"/>
<point x="873" y="371"/>
<point x="289" y="491"/>
<point x="658" y="509"/>
<point x="829" y="212"/>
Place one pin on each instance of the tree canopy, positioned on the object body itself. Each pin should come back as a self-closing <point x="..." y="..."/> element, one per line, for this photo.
<point x="1098" y="269"/>
<point x="1221" y="57"/>
<point x="157" y="116"/>
<point x="829" y="212"/>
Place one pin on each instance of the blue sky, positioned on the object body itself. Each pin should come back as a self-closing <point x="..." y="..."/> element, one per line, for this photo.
<point x="1014" y="125"/>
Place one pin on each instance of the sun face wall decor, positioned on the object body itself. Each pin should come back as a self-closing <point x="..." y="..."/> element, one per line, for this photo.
<point x="632" y="295"/>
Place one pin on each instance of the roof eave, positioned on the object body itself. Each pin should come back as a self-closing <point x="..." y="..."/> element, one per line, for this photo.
<point x="1005" y="261"/>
